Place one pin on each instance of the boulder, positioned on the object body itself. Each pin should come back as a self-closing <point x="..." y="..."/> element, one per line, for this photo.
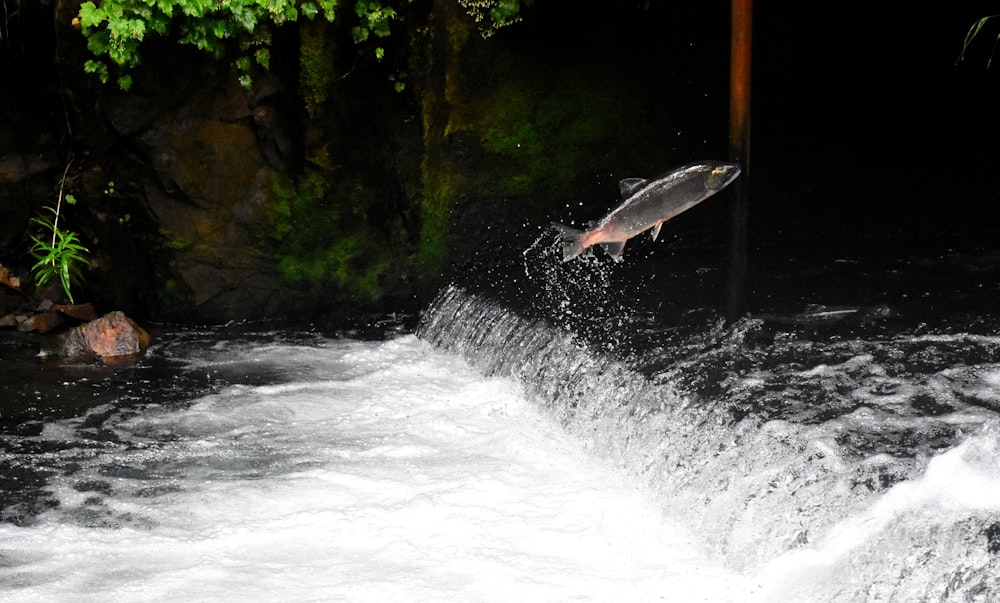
<point x="81" y="312"/>
<point x="11" y="280"/>
<point x="42" y="322"/>
<point x="111" y="338"/>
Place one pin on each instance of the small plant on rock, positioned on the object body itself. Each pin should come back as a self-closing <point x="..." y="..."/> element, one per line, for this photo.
<point x="61" y="254"/>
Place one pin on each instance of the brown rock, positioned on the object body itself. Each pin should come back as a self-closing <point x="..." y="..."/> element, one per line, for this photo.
<point x="110" y="338"/>
<point x="43" y="322"/>
<point x="81" y="312"/>
<point x="6" y="278"/>
<point x="16" y="168"/>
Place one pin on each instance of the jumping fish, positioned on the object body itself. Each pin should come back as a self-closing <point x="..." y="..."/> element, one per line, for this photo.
<point x="647" y="204"/>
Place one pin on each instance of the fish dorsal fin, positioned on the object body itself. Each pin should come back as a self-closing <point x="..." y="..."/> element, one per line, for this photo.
<point x="629" y="186"/>
<point x="656" y="230"/>
<point x="614" y="249"/>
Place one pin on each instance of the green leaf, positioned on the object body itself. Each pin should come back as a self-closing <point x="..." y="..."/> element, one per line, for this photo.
<point x="91" y="15"/>
<point x="98" y="68"/>
<point x="973" y="32"/>
<point x="245" y="17"/>
<point x="197" y="8"/>
<point x="220" y="29"/>
<point x="329" y="8"/>
<point x="263" y="56"/>
<point x="99" y="42"/>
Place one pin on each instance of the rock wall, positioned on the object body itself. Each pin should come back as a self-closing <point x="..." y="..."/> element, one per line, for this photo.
<point x="320" y="190"/>
<point x="207" y="151"/>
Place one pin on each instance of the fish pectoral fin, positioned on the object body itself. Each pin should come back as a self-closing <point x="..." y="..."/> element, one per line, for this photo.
<point x="656" y="230"/>
<point x="614" y="249"/>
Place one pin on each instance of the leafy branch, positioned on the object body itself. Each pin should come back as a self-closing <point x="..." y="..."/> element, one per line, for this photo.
<point x="116" y="29"/>
<point x="492" y="15"/>
<point x="62" y="254"/>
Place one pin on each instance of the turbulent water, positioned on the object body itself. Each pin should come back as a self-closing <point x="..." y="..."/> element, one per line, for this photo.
<point x="861" y="470"/>
<point x="832" y="452"/>
<point x="328" y="470"/>
<point x="578" y="434"/>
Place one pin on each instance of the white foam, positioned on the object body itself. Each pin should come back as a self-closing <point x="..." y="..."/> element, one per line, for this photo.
<point x="385" y="472"/>
<point x="959" y="483"/>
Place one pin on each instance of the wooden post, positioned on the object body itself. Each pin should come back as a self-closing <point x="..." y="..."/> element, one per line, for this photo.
<point x="739" y="152"/>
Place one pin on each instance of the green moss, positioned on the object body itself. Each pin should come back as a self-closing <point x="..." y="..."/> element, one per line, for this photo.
<point x="174" y="243"/>
<point x="348" y="264"/>
<point x="175" y="298"/>
<point x="321" y="240"/>
<point x="441" y="185"/>
<point x="544" y="127"/>
<point x="317" y="53"/>
<point x="550" y="142"/>
<point x="437" y="187"/>
<point x="281" y="218"/>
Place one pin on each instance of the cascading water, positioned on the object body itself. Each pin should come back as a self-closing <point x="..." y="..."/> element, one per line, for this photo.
<point x="860" y="462"/>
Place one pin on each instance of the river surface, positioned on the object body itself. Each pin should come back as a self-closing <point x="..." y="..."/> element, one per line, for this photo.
<point x="575" y="435"/>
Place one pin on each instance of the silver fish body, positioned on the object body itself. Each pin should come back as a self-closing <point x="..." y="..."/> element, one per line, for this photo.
<point x="647" y="204"/>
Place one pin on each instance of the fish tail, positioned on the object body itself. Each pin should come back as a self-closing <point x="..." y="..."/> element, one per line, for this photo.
<point x="572" y="246"/>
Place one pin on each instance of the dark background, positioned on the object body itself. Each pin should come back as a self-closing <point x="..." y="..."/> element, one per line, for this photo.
<point x="869" y="138"/>
<point x="865" y="125"/>
<point x="874" y="166"/>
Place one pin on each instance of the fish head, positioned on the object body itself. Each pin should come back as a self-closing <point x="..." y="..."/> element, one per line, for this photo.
<point x="720" y="176"/>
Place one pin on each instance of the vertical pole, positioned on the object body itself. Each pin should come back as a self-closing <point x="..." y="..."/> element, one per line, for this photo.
<point x="739" y="153"/>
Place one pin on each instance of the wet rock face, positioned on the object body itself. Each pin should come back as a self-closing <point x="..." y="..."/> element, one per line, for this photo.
<point x="213" y="170"/>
